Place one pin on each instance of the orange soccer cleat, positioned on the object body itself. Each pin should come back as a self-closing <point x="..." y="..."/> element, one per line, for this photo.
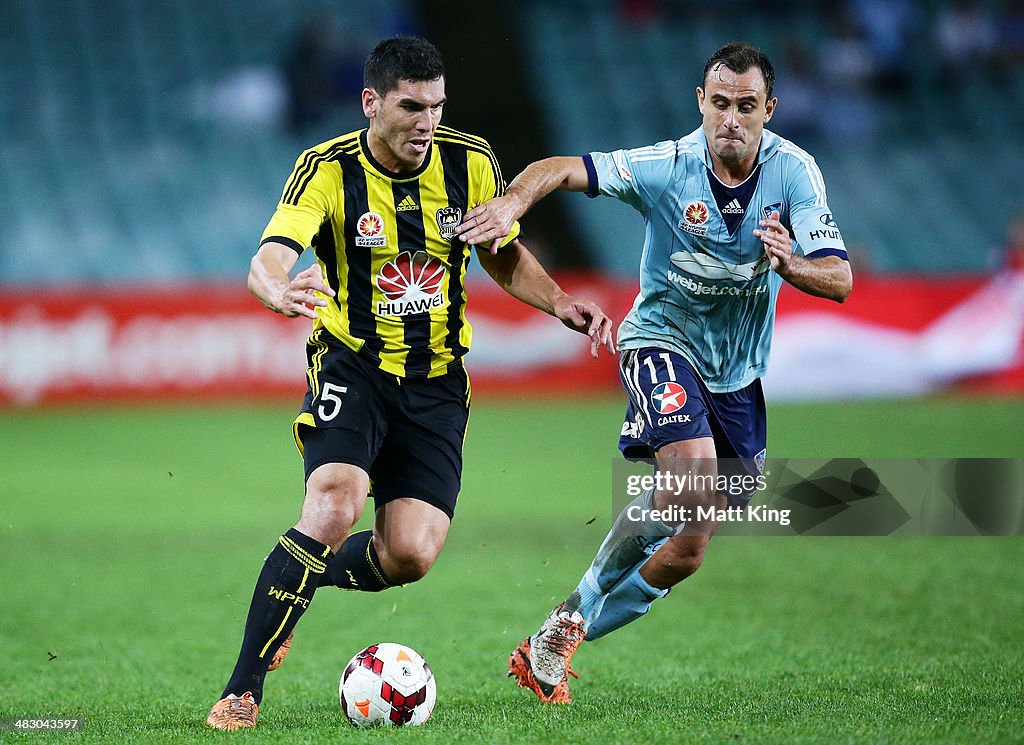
<point x="233" y="712"/>
<point x="520" y="669"/>
<point x="543" y="663"/>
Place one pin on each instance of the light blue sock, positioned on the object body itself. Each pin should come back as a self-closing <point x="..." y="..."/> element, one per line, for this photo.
<point x="628" y="544"/>
<point x="628" y="600"/>
<point x="590" y="597"/>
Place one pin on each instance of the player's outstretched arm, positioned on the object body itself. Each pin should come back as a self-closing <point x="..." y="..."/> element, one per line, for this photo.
<point x="492" y="220"/>
<point x="269" y="282"/>
<point x="519" y="273"/>
<point x="828" y="277"/>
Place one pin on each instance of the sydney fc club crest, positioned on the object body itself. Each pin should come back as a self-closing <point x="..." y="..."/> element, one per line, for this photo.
<point x="448" y="220"/>
<point x="768" y="209"/>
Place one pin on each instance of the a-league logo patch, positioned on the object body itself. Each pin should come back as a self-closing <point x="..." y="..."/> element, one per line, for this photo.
<point x="448" y="220"/>
<point x="370" y="227"/>
<point x="668" y="397"/>
<point x="694" y="218"/>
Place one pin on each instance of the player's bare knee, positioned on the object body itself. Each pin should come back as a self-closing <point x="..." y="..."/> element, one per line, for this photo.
<point x="685" y="557"/>
<point x="691" y="561"/>
<point x="334" y="503"/>
<point x="327" y="521"/>
<point x="404" y="564"/>
<point x="338" y="482"/>
<point x="405" y="569"/>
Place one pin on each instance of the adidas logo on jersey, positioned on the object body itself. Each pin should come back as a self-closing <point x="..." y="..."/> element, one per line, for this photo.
<point x="407" y="205"/>
<point x="733" y="208"/>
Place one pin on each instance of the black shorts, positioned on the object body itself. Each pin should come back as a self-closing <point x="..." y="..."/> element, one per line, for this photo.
<point x="407" y="434"/>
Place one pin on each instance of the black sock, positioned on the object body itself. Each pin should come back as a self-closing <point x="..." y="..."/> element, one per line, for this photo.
<point x="290" y="576"/>
<point x="356" y="566"/>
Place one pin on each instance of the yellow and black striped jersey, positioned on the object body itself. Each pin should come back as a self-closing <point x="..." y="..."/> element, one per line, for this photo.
<point x="387" y="245"/>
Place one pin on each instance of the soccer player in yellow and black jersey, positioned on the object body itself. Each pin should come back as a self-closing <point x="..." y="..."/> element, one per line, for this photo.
<point x="388" y="397"/>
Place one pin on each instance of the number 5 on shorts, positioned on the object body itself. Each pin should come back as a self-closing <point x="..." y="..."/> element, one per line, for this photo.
<point x="328" y="394"/>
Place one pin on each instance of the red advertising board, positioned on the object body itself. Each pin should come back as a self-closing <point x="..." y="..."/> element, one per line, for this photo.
<point x="77" y="344"/>
<point x="894" y="336"/>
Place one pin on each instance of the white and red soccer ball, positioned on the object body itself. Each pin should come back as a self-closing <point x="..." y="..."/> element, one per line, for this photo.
<point x="387" y="684"/>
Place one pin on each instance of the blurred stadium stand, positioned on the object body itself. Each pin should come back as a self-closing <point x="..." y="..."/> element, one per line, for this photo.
<point x="922" y="162"/>
<point x="146" y="141"/>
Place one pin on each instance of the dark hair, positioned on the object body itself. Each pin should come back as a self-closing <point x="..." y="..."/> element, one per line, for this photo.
<point x="739" y="57"/>
<point x="401" y="58"/>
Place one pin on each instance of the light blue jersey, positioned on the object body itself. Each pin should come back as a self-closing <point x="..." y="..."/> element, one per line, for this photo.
<point x="707" y="289"/>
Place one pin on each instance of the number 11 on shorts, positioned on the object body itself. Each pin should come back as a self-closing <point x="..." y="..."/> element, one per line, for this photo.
<point x="668" y="367"/>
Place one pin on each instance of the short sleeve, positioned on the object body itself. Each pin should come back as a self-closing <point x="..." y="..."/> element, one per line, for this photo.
<point x="487" y="182"/>
<point x="309" y="197"/>
<point x="637" y="177"/>
<point x="815" y="231"/>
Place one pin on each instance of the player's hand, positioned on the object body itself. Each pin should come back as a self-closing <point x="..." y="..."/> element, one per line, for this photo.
<point x="778" y="246"/>
<point x="491" y="221"/>
<point x="300" y="297"/>
<point x="587" y="318"/>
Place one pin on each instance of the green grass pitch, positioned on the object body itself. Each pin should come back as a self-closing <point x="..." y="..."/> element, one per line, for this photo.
<point x="130" y="540"/>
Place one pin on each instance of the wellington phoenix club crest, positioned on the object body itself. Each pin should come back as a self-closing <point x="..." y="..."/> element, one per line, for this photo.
<point x="448" y="220"/>
<point x="668" y="397"/>
<point x="370" y="227"/>
<point x="694" y="218"/>
<point x="412" y="283"/>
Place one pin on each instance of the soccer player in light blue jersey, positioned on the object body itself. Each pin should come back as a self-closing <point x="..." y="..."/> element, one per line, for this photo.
<point x="732" y="210"/>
